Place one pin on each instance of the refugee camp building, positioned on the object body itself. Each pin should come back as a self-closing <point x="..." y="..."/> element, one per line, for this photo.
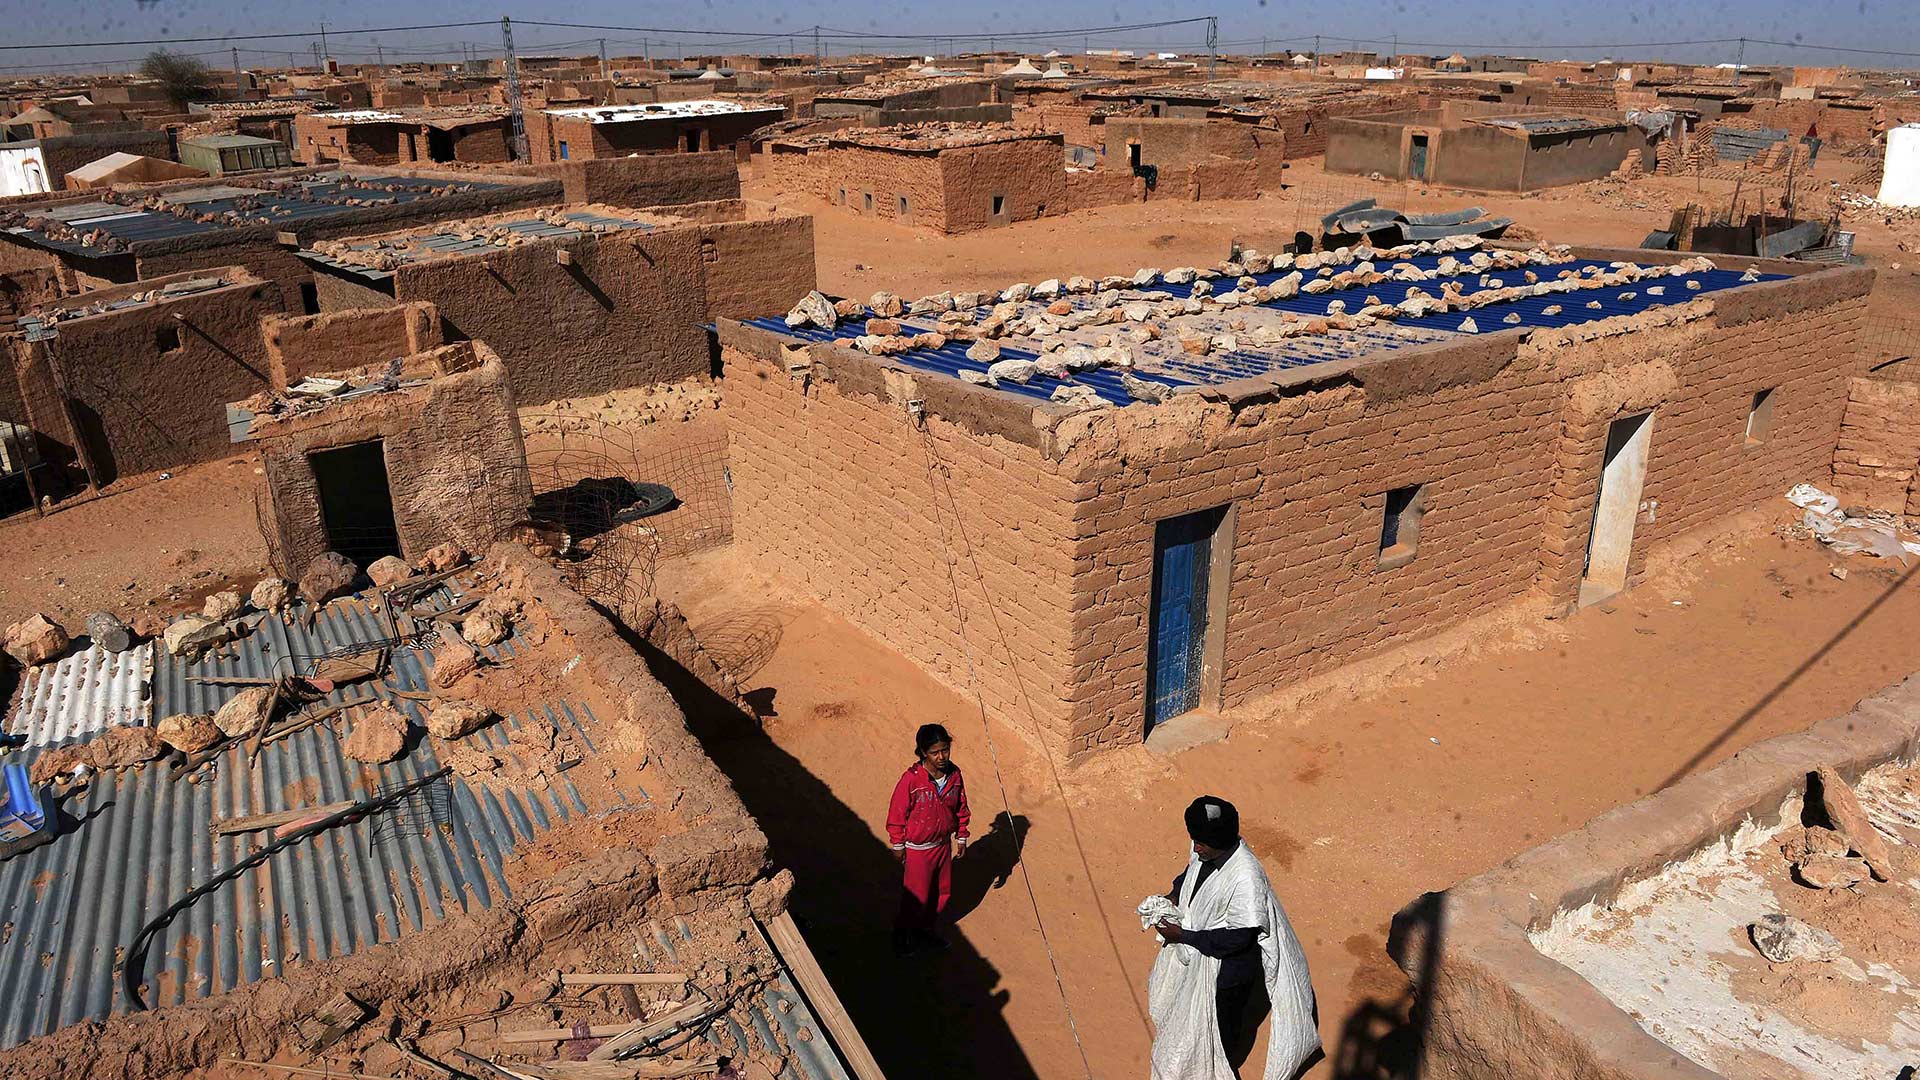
<point x="601" y="131"/>
<point x="1462" y="145"/>
<point x="1101" y="565"/>
<point x="951" y="178"/>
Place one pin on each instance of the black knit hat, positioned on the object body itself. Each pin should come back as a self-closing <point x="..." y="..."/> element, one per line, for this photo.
<point x="1213" y="821"/>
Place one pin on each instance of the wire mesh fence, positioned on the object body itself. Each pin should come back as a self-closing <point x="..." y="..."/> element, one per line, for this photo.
<point x="1889" y="337"/>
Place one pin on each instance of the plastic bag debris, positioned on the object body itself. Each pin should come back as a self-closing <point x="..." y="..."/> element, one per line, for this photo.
<point x="1849" y="536"/>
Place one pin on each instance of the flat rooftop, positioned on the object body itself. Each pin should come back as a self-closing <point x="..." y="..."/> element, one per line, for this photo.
<point x="125" y="298"/>
<point x="376" y="258"/>
<point x="433" y="116"/>
<point x="1211" y="328"/>
<point x="880" y="91"/>
<point x="934" y="137"/>
<point x="660" y="110"/>
<point x="1546" y="125"/>
<point x="96" y="229"/>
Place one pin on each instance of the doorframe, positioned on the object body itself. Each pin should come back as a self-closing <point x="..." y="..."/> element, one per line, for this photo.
<point x="1213" y="643"/>
<point x="1638" y="445"/>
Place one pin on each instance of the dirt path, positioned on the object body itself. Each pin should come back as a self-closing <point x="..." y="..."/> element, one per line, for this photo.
<point x="1357" y="806"/>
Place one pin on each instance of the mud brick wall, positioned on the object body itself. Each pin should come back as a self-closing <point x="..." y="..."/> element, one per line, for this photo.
<point x="1105" y="187"/>
<point x="837" y="492"/>
<point x="652" y="179"/>
<point x="1879" y="449"/>
<point x="627" y="312"/>
<point x="1030" y="175"/>
<point x="302" y="345"/>
<point x="148" y="391"/>
<point x="1838" y="125"/>
<point x="1169" y="144"/>
<point x="793" y="170"/>
<point x="480" y="144"/>
<point x="456" y="462"/>
<point x="757" y="265"/>
<point x="887" y="176"/>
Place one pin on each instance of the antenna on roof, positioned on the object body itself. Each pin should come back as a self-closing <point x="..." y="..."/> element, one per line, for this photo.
<point x="513" y="91"/>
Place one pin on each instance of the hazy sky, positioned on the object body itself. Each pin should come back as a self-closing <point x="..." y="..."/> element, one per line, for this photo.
<point x="1597" y="27"/>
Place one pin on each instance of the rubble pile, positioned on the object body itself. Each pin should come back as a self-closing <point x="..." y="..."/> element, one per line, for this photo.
<point x="1847" y="853"/>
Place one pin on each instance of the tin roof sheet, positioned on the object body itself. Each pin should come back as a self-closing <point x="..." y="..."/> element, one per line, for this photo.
<point x="1162" y="360"/>
<point x="138" y="838"/>
<point x="82" y="695"/>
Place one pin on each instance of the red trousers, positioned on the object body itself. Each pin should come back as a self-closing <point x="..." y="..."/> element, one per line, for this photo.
<point x="926" y="885"/>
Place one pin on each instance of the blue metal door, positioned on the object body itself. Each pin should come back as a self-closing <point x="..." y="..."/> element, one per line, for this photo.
<point x="1417" y="166"/>
<point x="1182" y="562"/>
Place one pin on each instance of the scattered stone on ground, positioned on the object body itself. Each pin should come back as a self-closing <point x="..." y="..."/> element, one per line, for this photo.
<point x="456" y="719"/>
<point x="222" y="606"/>
<point x="271" y="594"/>
<point x="110" y="632"/>
<point x="36" y="640"/>
<point x="1849" y="820"/>
<point x="189" y="733"/>
<point x="442" y="557"/>
<point x="1783" y="939"/>
<point x="379" y="734"/>
<point x="330" y="574"/>
<point x="245" y="713"/>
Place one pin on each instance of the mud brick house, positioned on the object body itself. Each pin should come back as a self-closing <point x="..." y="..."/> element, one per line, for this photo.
<point x="584" y="299"/>
<point x="920" y="99"/>
<point x="1196" y="159"/>
<point x="397" y="464"/>
<point x="1281" y="483"/>
<point x="32" y="166"/>
<point x="666" y="127"/>
<point x="128" y="379"/>
<point x="256" y="221"/>
<point x="1484" y="146"/>
<point x="951" y="178"/>
<point x="477" y="134"/>
<point x="1299" y="111"/>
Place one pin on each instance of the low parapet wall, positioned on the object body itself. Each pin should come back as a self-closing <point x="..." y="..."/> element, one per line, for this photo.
<point x="1495" y="1007"/>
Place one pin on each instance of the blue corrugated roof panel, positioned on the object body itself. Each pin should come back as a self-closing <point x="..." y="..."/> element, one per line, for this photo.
<point x="1175" y="369"/>
<point x="139" y="838"/>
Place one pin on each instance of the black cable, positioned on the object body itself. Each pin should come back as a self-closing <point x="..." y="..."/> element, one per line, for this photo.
<point x="136" y="959"/>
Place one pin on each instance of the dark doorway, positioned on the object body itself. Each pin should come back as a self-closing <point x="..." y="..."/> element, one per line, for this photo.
<point x="1133" y="156"/>
<point x="439" y="144"/>
<point x="692" y="140"/>
<point x="356" y="507"/>
<point x="1417" y="159"/>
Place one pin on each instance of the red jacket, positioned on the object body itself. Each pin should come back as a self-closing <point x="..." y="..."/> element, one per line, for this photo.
<point x="921" y="815"/>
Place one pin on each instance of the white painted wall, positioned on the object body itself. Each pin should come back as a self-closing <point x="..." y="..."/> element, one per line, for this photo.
<point x="23" y="171"/>
<point x="1900" y="186"/>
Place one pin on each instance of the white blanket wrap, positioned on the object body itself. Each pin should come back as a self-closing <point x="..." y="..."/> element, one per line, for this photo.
<point x="1180" y="992"/>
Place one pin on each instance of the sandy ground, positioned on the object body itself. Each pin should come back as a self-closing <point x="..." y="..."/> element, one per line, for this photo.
<point x="1357" y="804"/>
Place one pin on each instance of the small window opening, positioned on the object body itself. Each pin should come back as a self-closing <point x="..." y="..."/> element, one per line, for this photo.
<point x="1133" y="155"/>
<point x="563" y="149"/>
<point x="1400" y="525"/>
<point x="167" y="338"/>
<point x="1760" y="417"/>
<point x="1040" y="210"/>
<point x="999" y="205"/>
<point x="709" y="251"/>
<point x="903" y="206"/>
<point x="866" y="202"/>
<point x="842" y="199"/>
<point x="1309" y="128"/>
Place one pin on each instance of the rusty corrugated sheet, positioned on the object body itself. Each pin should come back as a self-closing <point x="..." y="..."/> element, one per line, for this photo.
<point x="139" y="838"/>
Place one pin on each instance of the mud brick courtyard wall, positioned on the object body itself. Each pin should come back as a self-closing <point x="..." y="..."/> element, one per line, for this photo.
<point x="1051" y="514"/>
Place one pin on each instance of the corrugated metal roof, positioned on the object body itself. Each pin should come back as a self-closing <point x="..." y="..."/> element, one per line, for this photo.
<point x="138" y="838"/>
<point x="422" y="248"/>
<point x="83" y="694"/>
<point x="1162" y="361"/>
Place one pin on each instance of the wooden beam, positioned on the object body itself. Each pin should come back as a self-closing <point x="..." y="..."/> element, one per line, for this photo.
<point x="642" y="978"/>
<point x="544" y="1035"/>
<point x="793" y="951"/>
<point x="480" y="1067"/>
<point x="641" y="1069"/>
<point x="257" y="822"/>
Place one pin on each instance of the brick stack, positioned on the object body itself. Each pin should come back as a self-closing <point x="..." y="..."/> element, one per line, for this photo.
<point x="1879" y="447"/>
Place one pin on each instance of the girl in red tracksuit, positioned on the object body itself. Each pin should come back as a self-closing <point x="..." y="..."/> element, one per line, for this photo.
<point x="927" y="826"/>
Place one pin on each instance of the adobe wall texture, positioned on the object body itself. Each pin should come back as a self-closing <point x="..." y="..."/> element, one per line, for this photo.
<point x="148" y="390"/>
<point x="302" y="345"/>
<point x="456" y="462"/>
<point x="1168" y="143"/>
<point x="652" y="179"/>
<point x="1506" y="430"/>
<point x="631" y="308"/>
<point x="840" y="494"/>
<point x="1495" y="1007"/>
<point x="587" y="140"/>
<point x="1879" y="451"/>
<point x="1029" y="177"/>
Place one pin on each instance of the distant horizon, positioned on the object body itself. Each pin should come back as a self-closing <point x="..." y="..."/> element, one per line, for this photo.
<point x="1885" y="36"/>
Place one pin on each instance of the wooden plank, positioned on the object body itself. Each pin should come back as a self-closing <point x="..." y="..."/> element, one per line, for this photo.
<point x="793" y="951"/>
<point x="257" y="822"/>
<point x="616" y="978"/>
<point x="479" y="1066"/>
<point x="639" y="1035"/>
<point x="540" y="1035"/>
<point x="640" y="1069"/>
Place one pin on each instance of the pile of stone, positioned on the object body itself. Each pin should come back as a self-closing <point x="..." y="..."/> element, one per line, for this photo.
<point x="1847" y="853"/>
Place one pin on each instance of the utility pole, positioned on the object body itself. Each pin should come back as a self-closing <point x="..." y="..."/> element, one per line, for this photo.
<point x="818" y="56"/>
<point x="380" y="58"/>
<point x="513" y="91"/>
<point x="603" y="60"/>
<point x="646" y="51"/>
<point x="239" y="85"/>
<point x="1213" y="42"/>
<point x="1316" y="52"/>
<point x="326" y="53"/>
<point x="1739" y="61"/>
<point x="316" y="58"/>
